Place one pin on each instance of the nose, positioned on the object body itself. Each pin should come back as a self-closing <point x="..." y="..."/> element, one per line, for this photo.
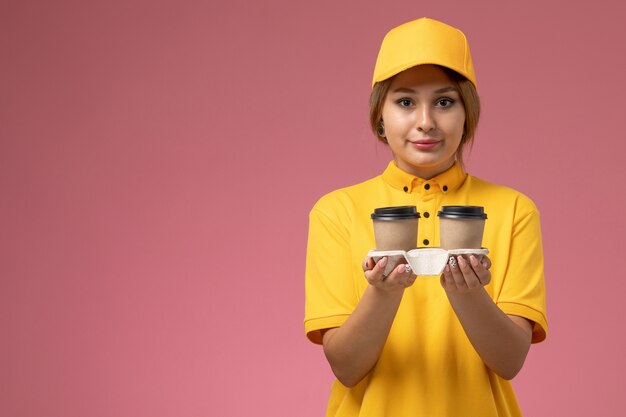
<point x="425" y="120"/>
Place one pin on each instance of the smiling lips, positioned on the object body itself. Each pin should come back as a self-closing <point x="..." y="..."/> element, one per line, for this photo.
<point x="423" y="144"/>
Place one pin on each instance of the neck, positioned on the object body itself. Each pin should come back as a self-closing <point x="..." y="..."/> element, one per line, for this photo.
<point x="425" y="172"/>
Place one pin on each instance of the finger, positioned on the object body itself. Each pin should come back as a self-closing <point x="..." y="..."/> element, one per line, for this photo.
<point x="375" y="275"/>
<point x="412" y="276"/>
<point x="483" y="274"/>
<point x="457" y="275"/>
<point x="447" y="280"/>
<point x="485" y="277"/>
<point x="409" y="276"/>
<point x="411" y="280"/>
<point x="486" y="262"/>
<point x="471" y="280"/>
<point x="368" y="264"/>
<point x="401" y="275"/>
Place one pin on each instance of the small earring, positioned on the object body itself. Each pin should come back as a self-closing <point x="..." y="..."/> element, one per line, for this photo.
<point x="381" y="130"/>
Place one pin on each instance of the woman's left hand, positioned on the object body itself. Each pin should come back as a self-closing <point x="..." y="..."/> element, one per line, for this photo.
<point x="465" y="275"/>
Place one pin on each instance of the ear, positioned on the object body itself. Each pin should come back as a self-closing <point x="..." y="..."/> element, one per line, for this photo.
<point x="381" y="130"/>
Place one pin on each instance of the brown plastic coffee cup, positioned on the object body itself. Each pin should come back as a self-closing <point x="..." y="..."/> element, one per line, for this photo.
<point x="395" y="228"/>
<point x="461" y="227"/>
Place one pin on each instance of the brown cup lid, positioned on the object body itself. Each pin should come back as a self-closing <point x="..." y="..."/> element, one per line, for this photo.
<point x="395" y="213"/>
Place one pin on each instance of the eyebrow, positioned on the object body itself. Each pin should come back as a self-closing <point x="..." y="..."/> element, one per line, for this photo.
<point x="411" y="91"/>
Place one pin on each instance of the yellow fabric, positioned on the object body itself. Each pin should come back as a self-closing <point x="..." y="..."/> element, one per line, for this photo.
<point x="428" y="366"/>
<point x="423" y="41"/>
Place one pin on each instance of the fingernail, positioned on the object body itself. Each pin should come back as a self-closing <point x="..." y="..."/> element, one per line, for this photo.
<point x="462" y="262"/>
<point x="473" y="260"/>
<point x="383" y="261"/>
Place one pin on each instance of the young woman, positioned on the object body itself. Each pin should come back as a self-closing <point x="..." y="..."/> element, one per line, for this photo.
<point x="402" y="345"/>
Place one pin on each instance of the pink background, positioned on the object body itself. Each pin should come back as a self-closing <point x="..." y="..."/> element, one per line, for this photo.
<point x="158" y="160"/>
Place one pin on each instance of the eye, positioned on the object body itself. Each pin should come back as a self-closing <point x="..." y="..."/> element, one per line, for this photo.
<point x="405" y="102"/>
<point x="444" y="102"/>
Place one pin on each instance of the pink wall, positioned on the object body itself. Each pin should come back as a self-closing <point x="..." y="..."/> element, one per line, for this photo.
<point x="158" y="160"/>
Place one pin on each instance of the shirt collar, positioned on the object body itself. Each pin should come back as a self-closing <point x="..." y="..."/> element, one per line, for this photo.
<point x="446" y="182"/>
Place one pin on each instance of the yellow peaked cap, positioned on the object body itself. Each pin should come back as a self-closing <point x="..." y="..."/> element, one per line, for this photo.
<point x="423" y="41"/>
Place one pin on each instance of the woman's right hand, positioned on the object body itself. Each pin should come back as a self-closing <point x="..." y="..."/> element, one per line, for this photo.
<point x="353" y="348"/>
<point x="401" y="276"/>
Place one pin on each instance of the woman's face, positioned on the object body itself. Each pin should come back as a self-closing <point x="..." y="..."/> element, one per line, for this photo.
<point x="423" y="115"/>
